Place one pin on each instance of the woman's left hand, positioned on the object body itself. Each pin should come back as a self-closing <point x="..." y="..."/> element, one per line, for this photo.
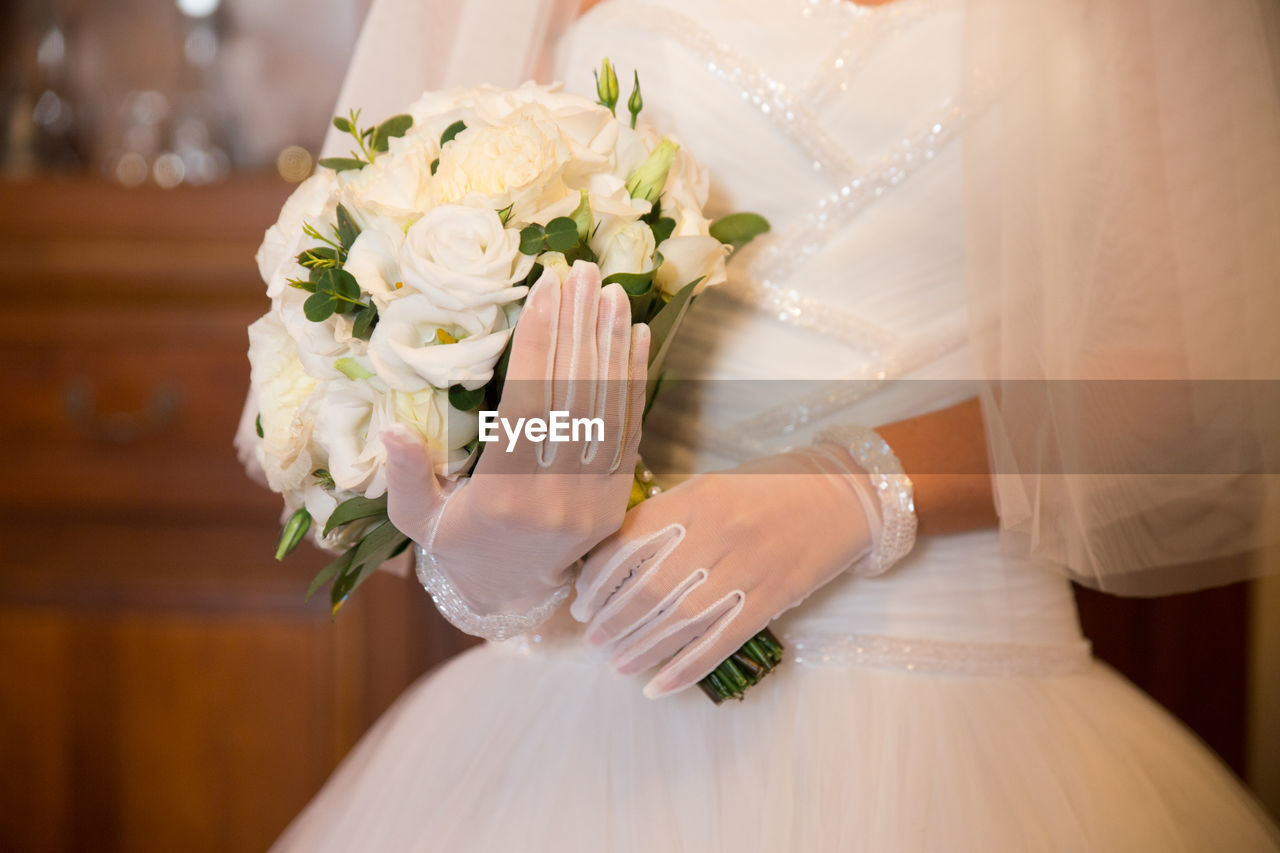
<point x="697" y="571"/>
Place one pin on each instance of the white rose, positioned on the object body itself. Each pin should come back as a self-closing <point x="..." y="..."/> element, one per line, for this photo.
<point x="313" y="201"/>
<point x="418" y="344"/>
<point x="623" y="247"/>
<point x="463" y="257"/>
<point x="281" y="389"/>
<point x="518" y="163"/>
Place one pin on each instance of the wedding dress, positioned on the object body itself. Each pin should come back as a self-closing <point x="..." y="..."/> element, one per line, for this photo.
<point x="951" y="703"/>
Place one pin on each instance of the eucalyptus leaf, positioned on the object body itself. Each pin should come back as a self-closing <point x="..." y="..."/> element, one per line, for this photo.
<point x="465" y="400"/>
<point x="342" y="164"/>
<point x="319" y="307"/>
<point x="532" y="239"/>
<point x="393" y="127"/>
<point x="353" y="509"/>
<point x="451" y="131"/>
<point x="739" y="229"/>
<point x="435" y="164"/>
<point x="562" y="234"/>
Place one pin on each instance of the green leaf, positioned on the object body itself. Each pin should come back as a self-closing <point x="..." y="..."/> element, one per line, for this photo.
<point x="562" y="234"/>
<point x="373" y="550"/>
<point x="661" y="330"/>
<point x="319" y="307"/>
<point x="342" y="124"/>
<point x="294" y="529"/>
<point x="393" y="127"/>
<point x="435" y="164"/>
<point x="739" y="229"/>
<point x="342" y="164"/>
<point x="662" y="229"/>
<point x="450" y="132"/>
<point x="465" y="400"/>
<point x="257" y="425"/>
<point x="347" y="229"/>
<point x="336" y="567"/>
<point x="532" y="239"/>
<point x="365" y="322"/>
<point x="354" y="509"/>
<point x="634" y="283"/>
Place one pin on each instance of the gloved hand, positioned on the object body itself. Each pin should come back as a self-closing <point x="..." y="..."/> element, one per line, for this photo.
<point x="697" y="571"/>
<point x="506" y="538"/>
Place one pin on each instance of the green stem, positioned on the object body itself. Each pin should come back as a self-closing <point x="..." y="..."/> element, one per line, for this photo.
<point x="744" y="668"/>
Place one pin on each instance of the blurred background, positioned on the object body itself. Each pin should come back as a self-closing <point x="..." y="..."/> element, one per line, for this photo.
<point x="165" y="685"/>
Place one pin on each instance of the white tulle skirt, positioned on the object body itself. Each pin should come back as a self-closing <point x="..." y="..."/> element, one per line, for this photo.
<point x="543" y="749"/>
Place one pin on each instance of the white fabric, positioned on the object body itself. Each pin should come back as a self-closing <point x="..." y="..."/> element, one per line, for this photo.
<point x="537" y="746"/>
<point x="697" y="571"/>
<point x="1123" y="207"/>
<point x="574" y="351"/>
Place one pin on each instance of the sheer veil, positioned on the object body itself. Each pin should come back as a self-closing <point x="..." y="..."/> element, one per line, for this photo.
<point x="1122" y="179"/>
<point x="1123" y="263"/>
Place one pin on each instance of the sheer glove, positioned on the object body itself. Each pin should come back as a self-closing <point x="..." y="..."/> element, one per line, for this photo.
<point x="697" y="571"/>
<point x="497" y="548"/>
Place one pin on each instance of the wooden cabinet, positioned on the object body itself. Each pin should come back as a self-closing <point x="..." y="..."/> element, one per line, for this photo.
<point x="165" y="685"/>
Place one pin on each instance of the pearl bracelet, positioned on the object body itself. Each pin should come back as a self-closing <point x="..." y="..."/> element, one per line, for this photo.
<point x="892" y="485"/>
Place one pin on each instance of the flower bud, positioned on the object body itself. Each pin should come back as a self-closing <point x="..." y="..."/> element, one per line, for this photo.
<point x="294" y="529"/>
<point x="647" y="181"/>
<point x="607" y="85"/>
<point x="635" y="103"/>
<point x="581" y="217"/>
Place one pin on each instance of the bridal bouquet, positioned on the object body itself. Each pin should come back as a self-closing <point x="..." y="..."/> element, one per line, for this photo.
<point x="397" y="274"/>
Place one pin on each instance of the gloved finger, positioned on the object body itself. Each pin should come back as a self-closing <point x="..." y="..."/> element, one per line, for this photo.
<point x="619" y="560"/>
<point x="723" y="636"/>
<point x="414" y="494"/>
<point x="576" y="368"/>
<point x="613" y="356"/>
<point x="689" y="619"/>
<point x="527" y="390"/>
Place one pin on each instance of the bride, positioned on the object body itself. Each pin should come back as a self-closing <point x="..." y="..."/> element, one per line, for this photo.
<point x="983" y="212"/>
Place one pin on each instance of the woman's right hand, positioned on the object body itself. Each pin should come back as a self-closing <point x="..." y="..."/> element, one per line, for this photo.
<point x="504" y="540"/>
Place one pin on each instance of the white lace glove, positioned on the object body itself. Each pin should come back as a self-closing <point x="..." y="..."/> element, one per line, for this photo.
<point x="496" y="549"/>
<point x="697" y="571"/>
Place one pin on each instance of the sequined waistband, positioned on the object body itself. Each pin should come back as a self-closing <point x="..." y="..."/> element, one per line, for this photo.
<point x="944" y="657"/>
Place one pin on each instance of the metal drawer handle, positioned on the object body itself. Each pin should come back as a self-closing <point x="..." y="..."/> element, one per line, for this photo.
<point x="79" y="402"/>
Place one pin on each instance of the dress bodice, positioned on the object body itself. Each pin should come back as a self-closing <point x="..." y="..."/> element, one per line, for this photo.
<point x="841" y="124"/>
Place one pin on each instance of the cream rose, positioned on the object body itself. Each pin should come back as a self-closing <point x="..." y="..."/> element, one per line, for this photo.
<point x="463" y="257"/>
<point x="623" y="247"/>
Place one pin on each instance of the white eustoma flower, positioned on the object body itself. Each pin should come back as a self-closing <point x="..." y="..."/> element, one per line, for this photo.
<point x="418" y="344"/>
<point x="322" y="345"/>
<point x="350" y="418"/>
<point x="374" y="260"/>
<point x="464" y="257"/>
<point x="312" y="202"/>
<point x="280" y="389"/>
